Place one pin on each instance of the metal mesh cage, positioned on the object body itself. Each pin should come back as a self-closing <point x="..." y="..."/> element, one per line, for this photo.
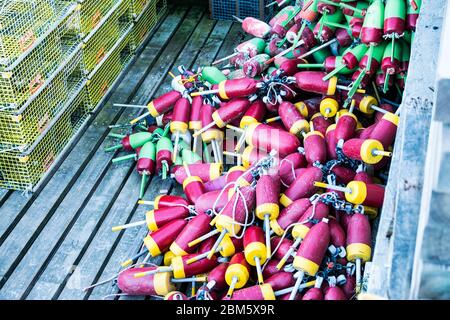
<point x="104" y="75"/>
<point x="145" y="22"/>
<point x="255" y="8"/>
<point x="92" y="12"/>
<point x="22" y="127"/>
<point x="138" y="6"/>
<point x="31" y="71"/>
<point x="103" y="38"/>
<point x="22" y="22"/>
<point x="225" y="9"/>
<point x="22" y="170"/>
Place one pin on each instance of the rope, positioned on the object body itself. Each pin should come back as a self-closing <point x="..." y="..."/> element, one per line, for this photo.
<point x="292" y="169"/>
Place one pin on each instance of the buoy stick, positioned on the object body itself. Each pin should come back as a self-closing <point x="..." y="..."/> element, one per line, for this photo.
<point x="203" y="237"/>
<point x="124" y="158"/>
<point x="205" y="147"/>
<point x="164" y="169"/>
<point x="204" y="93"/>
<point x="282" y="53"/>
<point x="382" y="153"/>
<point x="116" y="135"/>
<point x="135" y="106"/>
<point x="142" y="116"/>
<point x="130" y="261"/>
<point x="336" y="25"/>
<point x="240" y="142"/>
<point x="219" y="154"/>
<point x="375" y="89"/>
<point x="225" y="58"/>
<point x="116" y="147"/>
<point x="157" y="270"/>
<point x="232" y="285"/>
<point x="238" y="19"/>
<point x="305" y="285"/>
<point x="232" y="154"/>
<point x="146" y="202"/>
<point x="341" y="87"/>
<point x="194" y="143"/>
<point x="214" y="149"/>
<point x="192" y="279"/>
<point x="326" y="44"/>
<point x="207" y="127"/>
<point x="386" y="82"/>
<point x="270" y="120"/>
<point x="128" y="225"/>
<point x="259" y="271"/>
<point x="352" y="106"/>
<point x="216" y="244"/>
<point x="229" y="126"/>
<point x="289" y="253"/>
<point x="309" y="65"/>
<point x="294" y="291"/>
<point x="267" y="232"/>
<point x="175" y="146"/>
<point x="334" y="72"/>
<point x="143" y="184"/>
<point x="379" y="109"/>
<point x="358" y="275"/>
<point x="332" y="187"/>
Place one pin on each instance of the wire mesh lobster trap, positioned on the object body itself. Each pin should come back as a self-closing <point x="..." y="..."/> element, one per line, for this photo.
<point x="25" y="125"/>
<point x="145" y="22"/>
<point x="138" y="6"/>
<point x="104" y="75"/>
<point x="22" y="170"/>
<point x="226" y="9"/>
<point x="92" y="12"/>
<point x="22" y="22"/>
<point x="105" y="35"/>
<point x="23" y="78"/>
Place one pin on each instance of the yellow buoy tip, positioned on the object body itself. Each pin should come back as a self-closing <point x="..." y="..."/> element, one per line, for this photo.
<point x="126" y="263"/>
<point x="139" y="275"/>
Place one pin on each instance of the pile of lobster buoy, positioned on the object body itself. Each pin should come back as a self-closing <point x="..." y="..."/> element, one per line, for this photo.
<point x="313" y="98"/>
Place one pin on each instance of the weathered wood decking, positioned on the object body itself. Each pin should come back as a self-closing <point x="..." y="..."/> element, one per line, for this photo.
<point x="58" y="240"/>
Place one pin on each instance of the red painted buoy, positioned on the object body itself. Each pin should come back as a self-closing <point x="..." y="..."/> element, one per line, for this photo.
<point x="302" y="187"/>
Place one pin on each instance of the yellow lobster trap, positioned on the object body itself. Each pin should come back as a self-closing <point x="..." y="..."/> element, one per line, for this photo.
<point x="92" y="12"/>
<point x="24" y="77"/>
<point x="138" y="6"/>
<point x="145" y="22"/>
<point x="23" y="22"/>
<point x="100" y="41"/>
<point x="104" y="75"/>
<point x="22" y="169"/>
<point x="23" y="126"/>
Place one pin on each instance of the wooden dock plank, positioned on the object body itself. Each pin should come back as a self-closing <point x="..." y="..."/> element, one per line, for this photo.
<point x="74" y="165"/>
<point x="4" y="194"/>
<point x="98" y="207"/>
<point x="94" y="258"/>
